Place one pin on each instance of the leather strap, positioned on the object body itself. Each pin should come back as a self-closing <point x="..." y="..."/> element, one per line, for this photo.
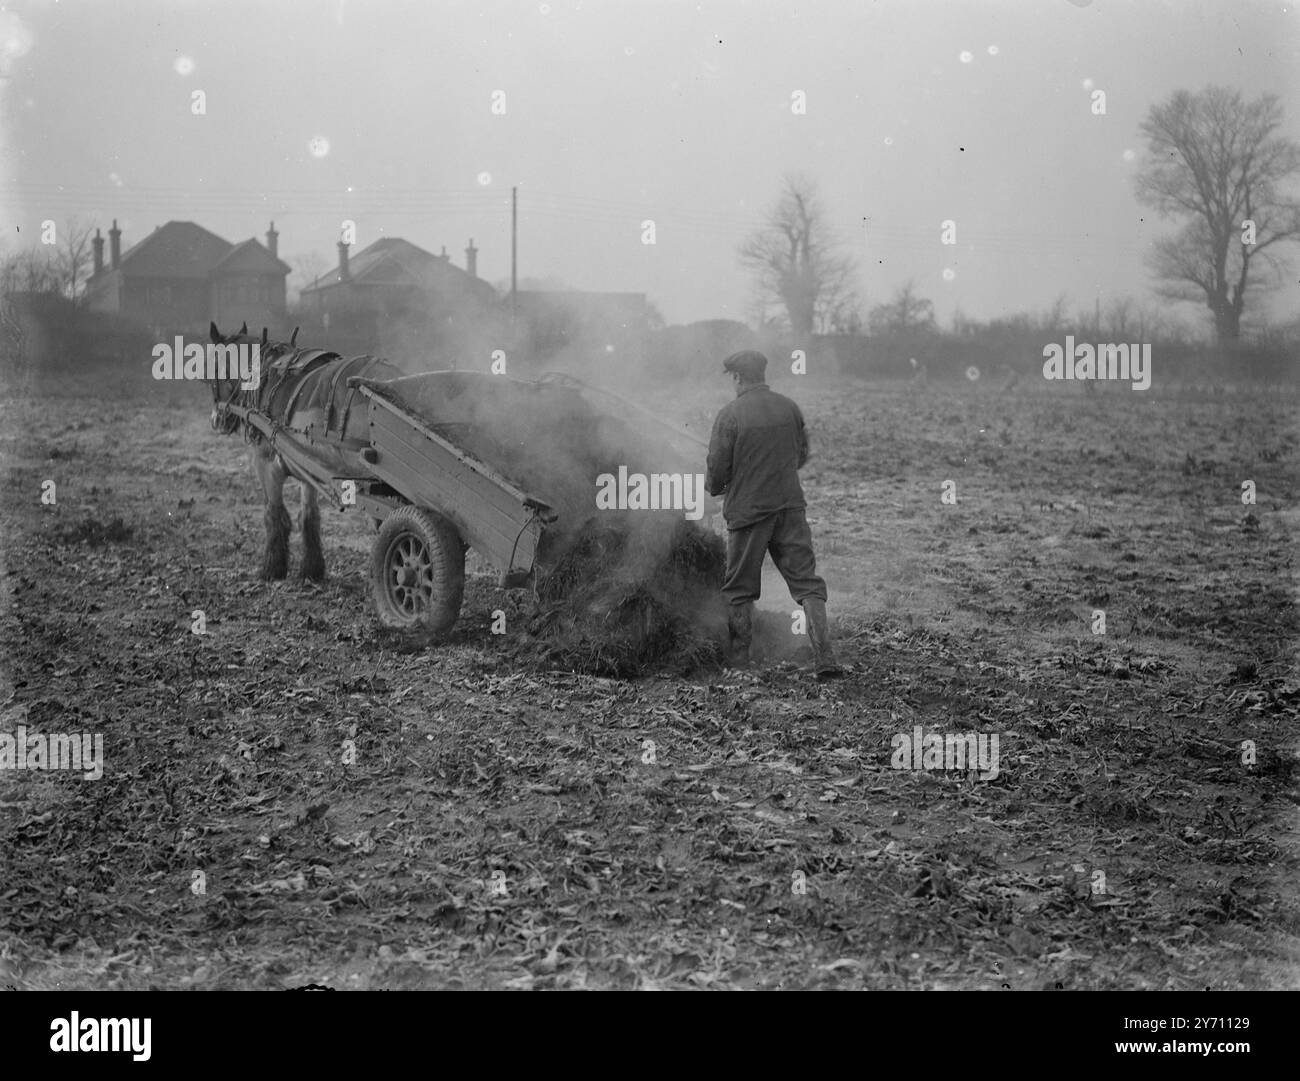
<point x="310" y="365"/>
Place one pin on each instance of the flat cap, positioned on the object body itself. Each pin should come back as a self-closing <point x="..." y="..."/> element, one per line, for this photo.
<point x="748" y="362"/>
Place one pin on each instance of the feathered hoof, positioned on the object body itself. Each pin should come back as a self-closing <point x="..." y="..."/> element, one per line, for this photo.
<point x="274" y="570"/>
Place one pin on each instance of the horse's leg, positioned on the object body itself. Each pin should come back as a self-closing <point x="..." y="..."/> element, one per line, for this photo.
<point x="275" y="560"/>
<point x="313" y="558"/>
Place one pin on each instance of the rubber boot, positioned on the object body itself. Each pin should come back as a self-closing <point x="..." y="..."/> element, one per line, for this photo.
<point x="740" y="630"/>
<point x="819" y="634"/>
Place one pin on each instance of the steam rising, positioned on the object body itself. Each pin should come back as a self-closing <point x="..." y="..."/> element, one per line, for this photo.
<point x="619" y="593"/>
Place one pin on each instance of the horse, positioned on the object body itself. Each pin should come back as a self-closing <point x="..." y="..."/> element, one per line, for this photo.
<point x="304" y="395"/>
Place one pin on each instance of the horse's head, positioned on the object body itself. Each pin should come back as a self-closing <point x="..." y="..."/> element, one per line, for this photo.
<point x="227" y="381"/>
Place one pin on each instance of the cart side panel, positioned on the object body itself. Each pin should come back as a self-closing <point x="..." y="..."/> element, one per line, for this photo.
<point x="491" y="518"/>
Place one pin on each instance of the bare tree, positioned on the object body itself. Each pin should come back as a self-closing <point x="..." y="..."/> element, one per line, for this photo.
<point x="1216" y="162"/>
<point x="1053" y="318"/>
<point x="1119" y="319"/>
<point x="1151" y="323"/>
<point x="30" y="271"/>
<point x="73" y="255"/>
<point x="796" y="263"/>
<point x="23" y="275"/>
<point x="907" y="312"/>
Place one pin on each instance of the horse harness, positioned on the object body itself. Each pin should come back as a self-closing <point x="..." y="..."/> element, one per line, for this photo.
<point x="288" y="375"/>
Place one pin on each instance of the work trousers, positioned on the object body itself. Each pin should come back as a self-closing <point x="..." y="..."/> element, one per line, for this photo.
<point x="786" y="535"/>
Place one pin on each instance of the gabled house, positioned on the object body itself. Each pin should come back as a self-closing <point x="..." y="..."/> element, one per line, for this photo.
<point x="181" y="276"/>
<point x="396" y="298"/>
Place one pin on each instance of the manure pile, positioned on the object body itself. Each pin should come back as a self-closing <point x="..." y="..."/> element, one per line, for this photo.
<point x="618" y="593"/>
<point x="634" y="593"/>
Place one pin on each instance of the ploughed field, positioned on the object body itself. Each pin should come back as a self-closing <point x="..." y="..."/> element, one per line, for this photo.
<point x="297" y="796"/>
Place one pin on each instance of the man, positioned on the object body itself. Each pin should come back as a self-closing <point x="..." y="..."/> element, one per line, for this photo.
<point x="757" y="448"/>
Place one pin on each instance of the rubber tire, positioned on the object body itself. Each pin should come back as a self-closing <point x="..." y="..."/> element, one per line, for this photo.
<point x="410" y="535"/>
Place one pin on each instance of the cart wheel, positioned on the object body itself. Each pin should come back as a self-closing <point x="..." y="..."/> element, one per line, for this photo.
<point x="417" y="571"/>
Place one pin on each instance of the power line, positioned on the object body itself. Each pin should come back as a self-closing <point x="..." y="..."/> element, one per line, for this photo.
<point x="389" y="203"/>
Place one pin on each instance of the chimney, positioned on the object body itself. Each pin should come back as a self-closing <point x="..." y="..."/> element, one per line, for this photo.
<point x="471" y="259"/>
<point x="115" y="246"/>
<point x="273" y="241"/>
<point x="344" y="273"/>
<point x="98" y="243"/>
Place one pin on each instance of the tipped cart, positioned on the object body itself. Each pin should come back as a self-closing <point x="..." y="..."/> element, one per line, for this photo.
<point x="433" y="476"/>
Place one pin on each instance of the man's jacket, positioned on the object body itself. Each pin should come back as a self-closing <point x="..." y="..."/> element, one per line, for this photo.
<point x="756" y="450"/>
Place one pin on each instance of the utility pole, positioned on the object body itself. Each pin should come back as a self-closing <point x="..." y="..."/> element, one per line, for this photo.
<point x="514" y="252"/>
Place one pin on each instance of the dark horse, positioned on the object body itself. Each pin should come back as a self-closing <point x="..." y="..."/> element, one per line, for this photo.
<point x="304" y="394"/>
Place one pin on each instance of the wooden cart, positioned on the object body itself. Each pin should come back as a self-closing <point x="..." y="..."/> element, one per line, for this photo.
<point x="431" y="498"/>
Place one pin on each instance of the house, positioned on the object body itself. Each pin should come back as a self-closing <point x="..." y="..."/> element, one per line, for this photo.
<point x="395" y="298"/>
<point x="181" y="276"/>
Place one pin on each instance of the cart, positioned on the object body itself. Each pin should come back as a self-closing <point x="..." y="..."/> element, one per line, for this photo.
<point x="430" y="496"/>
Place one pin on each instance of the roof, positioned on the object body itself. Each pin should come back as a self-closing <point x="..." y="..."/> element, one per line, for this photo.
<point x="179" y="249"/>
<point x="389" y="260"/>
<point x="250" y="257"/>
<point x="394" y="261"/>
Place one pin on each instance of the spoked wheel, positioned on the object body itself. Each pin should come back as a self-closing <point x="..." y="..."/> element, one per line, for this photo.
<point x="417" y="571"/>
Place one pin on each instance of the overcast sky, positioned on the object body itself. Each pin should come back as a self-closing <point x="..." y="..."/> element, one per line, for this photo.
<point x="381" y="112"/>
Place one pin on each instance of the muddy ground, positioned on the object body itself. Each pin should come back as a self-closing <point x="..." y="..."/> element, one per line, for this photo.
<point x="298" y="797"/>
